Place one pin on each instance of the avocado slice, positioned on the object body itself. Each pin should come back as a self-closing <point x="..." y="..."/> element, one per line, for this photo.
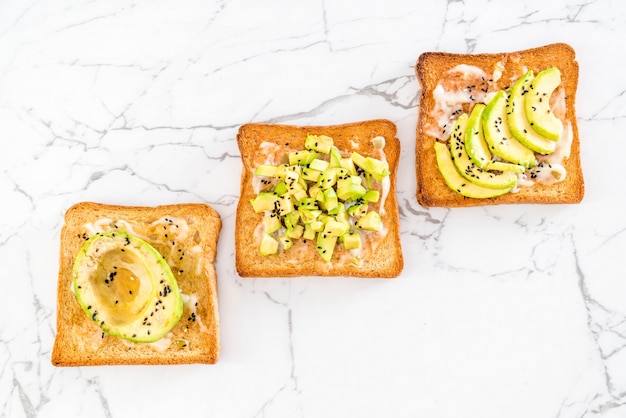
<point x="475" y="144"/>
<point x="126" y="287"/>
<point x="518" y="121"/>
<point x="537" y="104"/>
<point x="457" y="182"/>
<point x="467" y="168"/>
<point x="498" y="135"/>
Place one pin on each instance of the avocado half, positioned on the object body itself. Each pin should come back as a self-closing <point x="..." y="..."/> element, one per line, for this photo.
<point x="126" y="287"/>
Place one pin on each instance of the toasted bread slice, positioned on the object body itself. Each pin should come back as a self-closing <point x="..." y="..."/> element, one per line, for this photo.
<point x="192" y="232"/>
<point x="382" y="257"/>
<point x="502" y="70"/>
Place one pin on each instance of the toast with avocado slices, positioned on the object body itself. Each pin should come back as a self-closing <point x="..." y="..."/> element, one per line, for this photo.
<point x="137" y="285"/>
<point x="318" y="201"/>
<point x="498" y="128"/>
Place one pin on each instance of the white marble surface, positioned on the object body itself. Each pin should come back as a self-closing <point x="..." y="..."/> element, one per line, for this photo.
<point x="512" y="311"/>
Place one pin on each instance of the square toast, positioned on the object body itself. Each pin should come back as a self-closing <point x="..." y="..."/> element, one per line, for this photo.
<point x="381" y="258"/>
<point x="502" y="69"/>
<point x="186" y="236"/>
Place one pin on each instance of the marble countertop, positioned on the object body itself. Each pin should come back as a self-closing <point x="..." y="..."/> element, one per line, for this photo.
<point x="139" y="103"/>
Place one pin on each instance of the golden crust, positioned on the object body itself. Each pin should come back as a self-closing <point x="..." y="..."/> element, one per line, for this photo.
<point x="387" y="260"/>
<point x="431" y="189"/>
<point x="79" y="341"/>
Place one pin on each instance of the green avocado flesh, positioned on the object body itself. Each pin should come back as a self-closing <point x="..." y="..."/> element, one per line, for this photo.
<point x="537" y="104"/>
<point x="498" y="135"/>
<point x="457" y="182"/>
<point x="518" y="121"/>
<point x="467" y="168"/>
<point x="475" y="144"/>
<point x="126" y="287"/>
<point x="498" y="140"/>
<point x="326" y="199"/>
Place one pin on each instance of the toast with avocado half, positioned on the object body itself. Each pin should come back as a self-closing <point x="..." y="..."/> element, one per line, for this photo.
<point x="498" y="128"/>
<point x="137" y="285"/>
<point x="318" y="201"/>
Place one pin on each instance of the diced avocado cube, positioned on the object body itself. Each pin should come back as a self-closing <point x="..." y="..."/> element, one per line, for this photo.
<point x="348" y="164"/>
<point x="335" y="228"/>
<point x="268" y="245"/>
<point x="370" y="222"/>
<point x="294" y="188"/>
<point x="358" y="160"/>
<point x="341" y="214"/>
<point x="309" y="215"/>
<point x="352" y="241"/>
<point x="308" y="234"/>
<point x="296" y="232"/>
<point x="324" y="218"/>
<point x="326" y="245"/>
<point x="317" y="226"/>
<point x="335" y="158"/>
<point x="340" y="209"/>
<point x="330" y="199"/>
<point x="310" y="174"/>
<point x="264" y="201"/>
<point x="353" y="210"/>
<point x="281" y="171"/>
<point x="319" y="165"/>
<point x="313" y="191"/>
<point x="271" y="223"/>
<point x="291" y="220"/>
<point x="371" y="196"/>
<point x="302" y="157"/>
<point x="328" y="178"/>
<point x="291" y="176"/>
<point x="280" y="188"/>
<point x="358" y="210"/>
<point x="265" y="170"/>
<point x="351" y="192"/>
<point x="300" y="194"/>
<point x="377" y="168"/>
<point x="285" y="205"/>
<point x="320" y="143"/>
<point x="286" y="242"/>
<point x="308" y="203"/>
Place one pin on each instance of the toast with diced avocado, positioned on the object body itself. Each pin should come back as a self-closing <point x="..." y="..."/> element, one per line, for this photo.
<point x="521" y="124"/>
<point x="318" y="201"/>
<point x="137" y="285"/>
